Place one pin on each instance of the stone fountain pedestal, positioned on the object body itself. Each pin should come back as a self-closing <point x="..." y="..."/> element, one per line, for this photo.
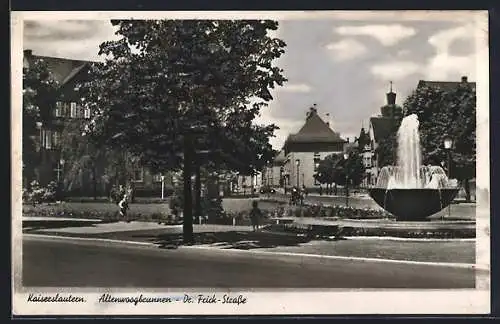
<point x="413" y="204"/>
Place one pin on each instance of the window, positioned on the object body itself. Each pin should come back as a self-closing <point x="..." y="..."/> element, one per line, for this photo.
<point x="157" y="177"/>
<point x="86" y="113"/>
<point x="56" y="138"/>
<point x="65" y="109"/>
<point x="47" y="139"/>
<point x="73" y="113"/>
<point x="58" y="111"/>
<point x="138" y="175"/>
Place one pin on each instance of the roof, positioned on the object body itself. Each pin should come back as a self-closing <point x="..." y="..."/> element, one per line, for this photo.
<point x="62" y="69"/>
<point x="315" y="130"/>
<point x="280" y="158"/>
<point x="443" y="85"/>
<point x="382" y="127"/>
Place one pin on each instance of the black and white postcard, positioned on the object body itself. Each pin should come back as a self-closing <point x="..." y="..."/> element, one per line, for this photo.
<point x="242" y="163"/>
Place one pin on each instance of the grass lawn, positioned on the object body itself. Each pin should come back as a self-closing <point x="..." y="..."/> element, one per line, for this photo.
<point x="447" y="251"/>
<point x="98" y="210"/>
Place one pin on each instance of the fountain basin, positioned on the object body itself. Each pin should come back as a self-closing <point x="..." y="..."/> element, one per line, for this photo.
<point x="413" y="204"/>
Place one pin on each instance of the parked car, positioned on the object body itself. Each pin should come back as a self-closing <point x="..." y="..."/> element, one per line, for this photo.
<point x="267" y="189"/>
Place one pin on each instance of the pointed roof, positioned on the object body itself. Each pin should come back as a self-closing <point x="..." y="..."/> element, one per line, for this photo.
<point x="315" y="130"/>
<point x="62" y="69"/>
<point x="280" y="158"/>
<point x="382" y="128"/>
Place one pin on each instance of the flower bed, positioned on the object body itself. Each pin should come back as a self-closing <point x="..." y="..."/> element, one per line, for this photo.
<point x="337" y="212"/>
<point x="339" y="232"/>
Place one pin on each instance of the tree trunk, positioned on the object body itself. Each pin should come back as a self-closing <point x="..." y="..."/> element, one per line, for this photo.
<point x="197" y="186"/>
<point x="467" y="190"/>
<point x="187" y="226"/>
<point x="94" y="181"/>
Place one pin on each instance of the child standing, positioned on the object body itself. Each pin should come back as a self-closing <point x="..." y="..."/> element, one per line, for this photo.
<point x="123" y="205"/>
<point x="255" y="215"/>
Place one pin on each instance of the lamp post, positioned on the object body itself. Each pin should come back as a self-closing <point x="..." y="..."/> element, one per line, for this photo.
<point x="346" y="170"/>
<point x="297" y="164"/>
<point x="162" y="187"/>
<point x="448" y="144"/>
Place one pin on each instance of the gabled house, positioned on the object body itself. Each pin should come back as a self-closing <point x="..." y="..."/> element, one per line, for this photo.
<point x="51" y="167"/>
<point x="304" y="149"/>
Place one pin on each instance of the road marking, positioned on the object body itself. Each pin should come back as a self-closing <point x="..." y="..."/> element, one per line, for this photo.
<point x="219" y="249"/>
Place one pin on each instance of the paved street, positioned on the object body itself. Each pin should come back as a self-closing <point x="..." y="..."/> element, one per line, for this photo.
<point x="61" y="262"/>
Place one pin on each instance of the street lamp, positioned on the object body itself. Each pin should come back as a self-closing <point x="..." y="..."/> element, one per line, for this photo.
<point x="448" y="144"/>
<point x="39" y="127"/>
<point x="297" y="164"/>
<point x="346" y="170"/>
<point x="59" y="170"/>
<point x="162" y="187"/>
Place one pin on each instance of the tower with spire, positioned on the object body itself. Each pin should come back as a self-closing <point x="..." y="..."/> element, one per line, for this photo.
<point x="390" y="109"/>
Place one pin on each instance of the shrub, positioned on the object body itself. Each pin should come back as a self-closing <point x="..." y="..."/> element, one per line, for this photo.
<point x="37" y="194"/>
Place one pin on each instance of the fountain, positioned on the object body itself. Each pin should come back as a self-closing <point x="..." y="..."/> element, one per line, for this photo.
<point x="412" y="191"/>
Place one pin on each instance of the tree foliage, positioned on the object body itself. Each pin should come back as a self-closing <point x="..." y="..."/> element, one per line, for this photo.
<point x="91" y="166"/>
<point x="327" y="169"/>
<point x="447" y="113"/>
<point x="335" y="169"/>
<point x="440" y="113"/>
<point x="182" y="76"/>
<point x="386" y="149"/>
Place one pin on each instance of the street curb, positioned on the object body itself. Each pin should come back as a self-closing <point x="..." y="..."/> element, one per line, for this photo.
<point x="403" y="239"/>
<point x="331" y="257"/>
<point x="334" y="257"/>
<point x="73" y="238"/>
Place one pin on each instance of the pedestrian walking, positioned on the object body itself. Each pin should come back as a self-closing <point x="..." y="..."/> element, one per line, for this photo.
<point x="255" y="215"/>
<point x="123" y="205"/>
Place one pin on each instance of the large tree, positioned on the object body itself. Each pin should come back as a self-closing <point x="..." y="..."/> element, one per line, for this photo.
<point x="187" y="85"/>
<point x="447" y="113"/>
<point x="39" y="97"/>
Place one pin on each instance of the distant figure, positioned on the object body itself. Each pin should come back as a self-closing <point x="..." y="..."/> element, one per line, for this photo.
<point x="123" y="205"/>
<point x="255" y="215"/>
<point x="320" y="190"/>
<point x="175" y="207"/>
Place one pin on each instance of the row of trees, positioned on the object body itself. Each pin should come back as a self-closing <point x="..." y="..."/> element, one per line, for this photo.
<point x="335" y="170"/>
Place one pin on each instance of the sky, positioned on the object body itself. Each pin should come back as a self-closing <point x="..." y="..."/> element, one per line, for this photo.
<point x="343" y="66"/>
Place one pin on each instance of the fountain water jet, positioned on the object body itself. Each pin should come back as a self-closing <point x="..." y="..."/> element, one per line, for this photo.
<point x="412" y="191"/>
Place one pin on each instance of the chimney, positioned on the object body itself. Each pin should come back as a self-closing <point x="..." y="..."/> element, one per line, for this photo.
<point x="464" y="79"/>
<point x="312" y="111"/>
<point x="391" y="96"/>
<point x="328" y="119"/>
<point x="347" y="140"/>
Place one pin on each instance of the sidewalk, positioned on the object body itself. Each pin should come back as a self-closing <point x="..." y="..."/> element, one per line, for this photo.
<point x="101" y="228"/>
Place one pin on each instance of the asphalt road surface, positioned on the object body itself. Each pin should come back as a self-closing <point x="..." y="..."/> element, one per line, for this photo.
<point x="62" y="262"/>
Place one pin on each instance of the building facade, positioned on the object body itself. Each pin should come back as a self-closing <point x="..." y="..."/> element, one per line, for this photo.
<point x="272" y="175"/>
<point x="52" y="165"/>
<point x="304" y="150"/>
